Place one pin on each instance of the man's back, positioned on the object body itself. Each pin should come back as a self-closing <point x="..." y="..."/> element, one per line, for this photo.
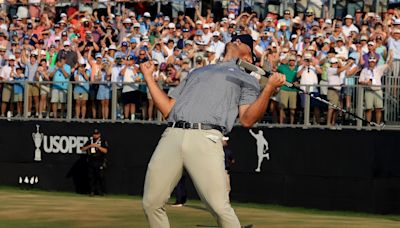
<point x="212" y="95"/>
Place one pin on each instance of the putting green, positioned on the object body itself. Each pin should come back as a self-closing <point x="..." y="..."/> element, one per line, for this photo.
<point x="22" y="208"/>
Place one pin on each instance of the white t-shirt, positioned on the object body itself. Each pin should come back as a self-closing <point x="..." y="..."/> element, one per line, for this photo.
<point x="375" y="75"/>
<point x="348" y="29"/>
<point x="129" y="77"/>
<point x="334" y="78"/>
<point x="6" y="71"/>
<point x="308" y="77"/>
<point x="342" y="52"/>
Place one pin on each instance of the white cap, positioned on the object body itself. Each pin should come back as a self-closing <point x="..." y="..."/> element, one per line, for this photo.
<point x="396" y="31"/>
<point x="131" y="14"/>
<point x="166" y="18"/>
<point x="268" y="19"/>
<point x="127" y="21"/>
<point x="67" y="43"/>
<point x="216" y="33"/>
<point x="273" y="44"/>
<point x="328" y="21"/>
<point x="206" y="26"/>
<point x="371" y="43"/>
<point x="35" y="52"/>
<point x="311" y="48"/>
<point x="210" y="49"/>
<point x="63" y="15"/>
<point x="112" y="47"/>
<point x="334" y="60"/>
<point x="232" y="22"/>
<point x="396" y="22"/>
<point x="11" y="57"/>
<point x="372" y="59"/>
<point x="282" y="23"/>
<point x="307" y="56"/>
<point x="198" y="22"/>
<point x="146" y="14"/>
<point x="297" y="20"/>
<point x="294" y="36"/>
<point x="348" y="16"/>
<point x="171" y="25"/>
<point x="136" y="25"/>
<point x="327" y="41"/>
<point x="231" y="16"/>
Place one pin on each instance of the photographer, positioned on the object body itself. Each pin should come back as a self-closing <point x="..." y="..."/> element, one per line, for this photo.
<point x="96" y="149"/>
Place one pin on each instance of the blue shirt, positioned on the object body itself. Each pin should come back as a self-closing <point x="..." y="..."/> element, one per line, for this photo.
<point x="83" y="86"/>
<point x="59" y="78"/>
<point x="19" y="86"/>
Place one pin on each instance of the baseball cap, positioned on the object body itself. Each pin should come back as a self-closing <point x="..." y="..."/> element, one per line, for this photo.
<point x="131" y="57"/>
<point x="216" y="33"/>
<point x="199" y="58"/>
<point x="11" y="57"/>
<point x="396" y="31"/>
<point x="171" y="25"/>
<point x="166" y="18"/>
<point x="210" y="49"/>
<point x="206" y="26"/>
<point x="136" y="25"/>
<point x="334" y="60"/>
<point x="364" y="38"/>
<point x="63" y="15"/>
<point x="96" y="131"/>
<point x="133" y="40"/>
<point x="189" y="42"/>
<point x="307" y="36"/>
<point x="327" y="41"/>
<point x="98" y="55"/>
<point x="246" y="39"/>
<point x="112" y="47"/>
<point x="292" y="57"/>
<point x="185" y="30"/>
<point x="348" y="16"/>
<point x="328" y="21"/>
<point x="294" y="36"/>
<point x="372" y="59"/>
<point x="311" y="48"/>
<point x="396" y="22"/>
<point x="67" y="43"/>
<point x="199" y="33"/>
<point x="127" y="21"/>
<point x="146" y="14"/>
<point x="198" y="22"/>
<point x="124" y="44"/>
<point x="307" y="56"/>
<point x="371" y="43"/>
<point x="29" y="26"/>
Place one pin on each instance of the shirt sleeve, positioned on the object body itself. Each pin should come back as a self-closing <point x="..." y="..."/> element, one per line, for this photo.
<point x="249" y="92"/>
<point x="363" y="75"/>
<point x="176" y="93"/>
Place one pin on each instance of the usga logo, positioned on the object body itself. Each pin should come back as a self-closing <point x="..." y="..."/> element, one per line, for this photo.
<point x="57" y="144"/>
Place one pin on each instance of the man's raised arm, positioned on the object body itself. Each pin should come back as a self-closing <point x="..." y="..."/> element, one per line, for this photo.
<point x="160" y="98"/>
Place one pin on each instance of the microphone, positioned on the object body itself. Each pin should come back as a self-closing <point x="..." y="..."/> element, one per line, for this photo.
<point x="253" y="68"/>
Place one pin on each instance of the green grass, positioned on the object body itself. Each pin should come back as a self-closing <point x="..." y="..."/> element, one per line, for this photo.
<point x="36" y="208"/>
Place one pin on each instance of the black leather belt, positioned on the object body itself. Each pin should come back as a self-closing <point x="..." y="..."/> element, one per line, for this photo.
<point x="187" y="125"/>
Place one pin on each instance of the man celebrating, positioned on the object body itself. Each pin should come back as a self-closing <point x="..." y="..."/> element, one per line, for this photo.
<point x="200" y="110"/>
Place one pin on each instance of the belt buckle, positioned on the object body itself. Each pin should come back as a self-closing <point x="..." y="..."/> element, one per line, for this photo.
<point x="186" y="125"/>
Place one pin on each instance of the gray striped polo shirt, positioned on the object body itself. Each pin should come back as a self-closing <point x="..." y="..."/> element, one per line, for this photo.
<point x="213" y="94"/>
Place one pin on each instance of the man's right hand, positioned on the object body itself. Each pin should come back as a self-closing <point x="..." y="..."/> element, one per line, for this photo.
<point x="276" y="80"/>
<point x="147" y="69"/>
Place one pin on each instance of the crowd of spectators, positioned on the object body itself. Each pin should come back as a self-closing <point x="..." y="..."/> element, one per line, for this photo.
<point x="93" y="49"/>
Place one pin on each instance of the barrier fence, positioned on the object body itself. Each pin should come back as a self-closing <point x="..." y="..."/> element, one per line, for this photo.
<point x="309" y="113"/>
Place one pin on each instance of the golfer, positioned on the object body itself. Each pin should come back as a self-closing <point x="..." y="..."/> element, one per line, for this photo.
<point x="200" y="110"/>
